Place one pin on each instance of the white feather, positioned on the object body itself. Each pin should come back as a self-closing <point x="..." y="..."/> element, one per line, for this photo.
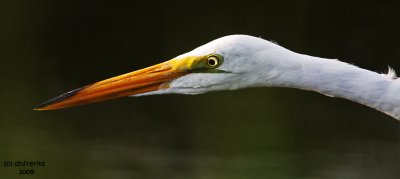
<point x="254" y="62"/>
<point x="391" y="73"/>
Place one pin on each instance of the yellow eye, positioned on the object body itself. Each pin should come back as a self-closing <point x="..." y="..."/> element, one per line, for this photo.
<point x="214" y="60"/>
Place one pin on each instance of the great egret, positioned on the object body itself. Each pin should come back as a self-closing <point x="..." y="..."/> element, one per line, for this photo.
<point x="241" y="61"/>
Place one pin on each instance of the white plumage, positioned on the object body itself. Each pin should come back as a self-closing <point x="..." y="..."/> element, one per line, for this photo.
<point x="254" y="62"/>
<point x="241" y="61"/>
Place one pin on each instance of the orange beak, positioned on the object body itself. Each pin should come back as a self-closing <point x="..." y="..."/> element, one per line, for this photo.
<point x="141" y="81"/>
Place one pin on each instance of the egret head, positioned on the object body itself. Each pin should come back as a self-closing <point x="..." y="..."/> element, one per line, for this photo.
<point x="225" y="63"/>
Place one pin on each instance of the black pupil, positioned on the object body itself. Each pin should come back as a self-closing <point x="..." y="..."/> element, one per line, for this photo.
<point x="212" y="61"/>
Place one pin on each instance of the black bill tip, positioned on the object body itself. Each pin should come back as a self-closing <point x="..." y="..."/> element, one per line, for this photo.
<point x="57" y="99"/>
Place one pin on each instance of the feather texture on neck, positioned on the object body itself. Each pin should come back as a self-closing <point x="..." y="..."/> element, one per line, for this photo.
<point x="338" y="79"/>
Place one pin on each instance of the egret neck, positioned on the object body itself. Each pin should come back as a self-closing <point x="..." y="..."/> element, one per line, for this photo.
<point x="335" y="79"/>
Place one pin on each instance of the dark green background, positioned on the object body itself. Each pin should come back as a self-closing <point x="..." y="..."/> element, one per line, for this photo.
<point x="49" y="47"/>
